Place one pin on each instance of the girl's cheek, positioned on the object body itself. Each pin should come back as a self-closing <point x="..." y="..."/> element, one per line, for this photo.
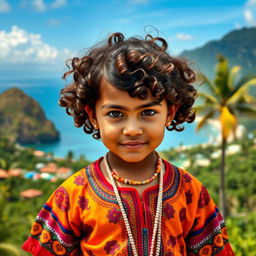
<point x="111" y="127"/>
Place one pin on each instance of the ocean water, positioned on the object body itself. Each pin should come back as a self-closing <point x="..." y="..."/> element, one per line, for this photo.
<point x="46" y="92"/>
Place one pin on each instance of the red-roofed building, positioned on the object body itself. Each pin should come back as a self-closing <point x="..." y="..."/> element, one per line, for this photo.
<point x="4" y="174"/>
<point x="50" y="168"/>
<point x="15" y="172"/>
<point x="38" y="153"/>
<point x="31" y="193"/>
<point x="63" y="172"/>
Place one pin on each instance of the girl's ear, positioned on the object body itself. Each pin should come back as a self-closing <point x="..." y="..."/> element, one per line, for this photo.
<point x="92" y="117"/>
<point x="172" y="109"/>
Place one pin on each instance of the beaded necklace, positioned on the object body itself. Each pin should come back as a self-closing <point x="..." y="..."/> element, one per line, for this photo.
<point x="158" y="216"/>
<point x="139" y="182"/>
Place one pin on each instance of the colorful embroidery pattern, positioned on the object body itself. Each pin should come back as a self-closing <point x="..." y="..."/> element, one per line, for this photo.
<point x="62" y="199"/>
<point x="111" y="247"/>
<point x="189" y="196"/>
<point x="114" y="215"/>
<point x="130" y="198"/>
<point x="187" y="178"/>
<point x="183" y="214"/>
<point x="80" y="180"/>
<point x="209" y="239"/>
<point x="204" y="198"/>
<point x="52" y="235"/>
<point x="168" y="211"/>
<point x="172" y="241"/>
<point x="83" y="203"/>
<point x="64" y="230"/>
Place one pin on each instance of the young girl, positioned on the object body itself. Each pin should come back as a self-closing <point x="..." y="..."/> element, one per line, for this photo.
<point x="130" y="202"/>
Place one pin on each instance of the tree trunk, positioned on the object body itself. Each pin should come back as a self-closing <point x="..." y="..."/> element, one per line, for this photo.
<point x="222" y="178"/>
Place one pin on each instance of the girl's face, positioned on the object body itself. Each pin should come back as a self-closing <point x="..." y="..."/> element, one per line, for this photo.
<point x="131" y="128"/>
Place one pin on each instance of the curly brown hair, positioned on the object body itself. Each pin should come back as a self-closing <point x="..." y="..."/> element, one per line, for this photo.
<point x="136" y="66"/>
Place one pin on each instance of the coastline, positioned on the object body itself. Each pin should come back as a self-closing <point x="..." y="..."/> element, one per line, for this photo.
<point x="46" y="92"/>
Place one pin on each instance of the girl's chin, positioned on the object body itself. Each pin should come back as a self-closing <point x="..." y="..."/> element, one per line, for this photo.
<point x="131" y="157"/>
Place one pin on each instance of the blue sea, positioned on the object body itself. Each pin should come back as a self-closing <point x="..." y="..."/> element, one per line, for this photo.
<point x="46" y="92"/>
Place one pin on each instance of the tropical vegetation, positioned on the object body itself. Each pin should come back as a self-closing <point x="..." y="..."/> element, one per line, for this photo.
<point x="227" y="99"/>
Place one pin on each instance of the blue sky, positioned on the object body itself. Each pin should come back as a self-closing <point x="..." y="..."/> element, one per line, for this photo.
<point x="36" y="36"/>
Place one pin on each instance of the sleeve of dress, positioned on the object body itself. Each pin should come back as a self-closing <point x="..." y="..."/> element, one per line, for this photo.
<point x="57" y="227"/>
<point x="208" y="235"/>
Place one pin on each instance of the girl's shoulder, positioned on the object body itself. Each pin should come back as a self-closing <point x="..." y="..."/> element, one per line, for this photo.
<point x="78" y="181"/>
<point x="186" y="180"/>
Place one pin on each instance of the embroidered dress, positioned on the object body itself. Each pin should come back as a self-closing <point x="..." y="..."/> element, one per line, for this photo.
<point x="82" y="217"/>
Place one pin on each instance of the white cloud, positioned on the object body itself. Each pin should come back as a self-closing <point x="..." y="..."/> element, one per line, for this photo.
<point x="42" y="5"/>
<point x="184" y="37"/>
<point x="58" y="4"/>
<point x="38" y="5"/>
<point x="251" y="2"/>
<point x="250" y="12"/>
<point x="19" y="46"/>
<point x="249" y="17"/>
<point x="4" y="6"/>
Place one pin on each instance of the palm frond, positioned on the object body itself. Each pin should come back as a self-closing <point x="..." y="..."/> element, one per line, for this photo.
<point x="245" y="78"/>
<point x="249" y="99"/>
<point x="246" y="110"/>
<point x="204" y="119"/>
<point x="207" y="82"/>
<point x="232" y="76"/>
<point x="240" y="91"/>
<point x="207" y="97"/>
<point x="221" y="78"/>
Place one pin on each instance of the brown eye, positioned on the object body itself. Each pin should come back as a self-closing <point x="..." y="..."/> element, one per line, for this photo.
<point x="115" y="114"/>
<point x="148" y="112"/>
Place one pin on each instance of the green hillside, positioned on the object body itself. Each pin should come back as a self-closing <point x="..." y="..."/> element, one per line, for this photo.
<point x="23" y="120"/>
<point x="239" y="46"/>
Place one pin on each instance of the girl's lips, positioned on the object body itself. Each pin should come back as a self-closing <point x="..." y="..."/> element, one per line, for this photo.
<point x="133" y="145"/>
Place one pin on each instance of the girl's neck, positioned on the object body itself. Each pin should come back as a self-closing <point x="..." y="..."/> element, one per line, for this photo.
<point x="133" y="170"/>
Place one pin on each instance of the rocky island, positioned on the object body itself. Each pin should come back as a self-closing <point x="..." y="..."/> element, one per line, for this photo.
<point x="23" y="120"/>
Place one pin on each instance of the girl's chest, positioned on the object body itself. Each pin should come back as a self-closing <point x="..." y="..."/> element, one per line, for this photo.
<point x="140" y="189"/>
<point x="104" y="220"/>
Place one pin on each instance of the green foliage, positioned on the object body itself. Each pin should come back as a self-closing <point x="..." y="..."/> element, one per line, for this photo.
<point x="242" y="234"/>
<point x="23" y="120"/>
<point x="240" y="184"/>
<point x="7" y="246"/>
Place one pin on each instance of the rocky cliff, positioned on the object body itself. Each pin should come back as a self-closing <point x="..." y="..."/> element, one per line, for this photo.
<point x="23" y="120"/>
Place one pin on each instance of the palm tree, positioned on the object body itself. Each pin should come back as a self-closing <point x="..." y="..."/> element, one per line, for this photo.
<point x="225" y="99"/>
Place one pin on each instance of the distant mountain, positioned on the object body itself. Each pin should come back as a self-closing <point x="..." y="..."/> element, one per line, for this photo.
<point x="239" y="46"/>
<point x="23" y="120"/>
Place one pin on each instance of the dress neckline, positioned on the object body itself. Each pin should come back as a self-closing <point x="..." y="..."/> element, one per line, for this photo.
<point x="167" y="179"/>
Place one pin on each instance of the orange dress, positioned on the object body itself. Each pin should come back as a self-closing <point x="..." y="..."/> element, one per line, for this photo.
<point x="82" y="217"/>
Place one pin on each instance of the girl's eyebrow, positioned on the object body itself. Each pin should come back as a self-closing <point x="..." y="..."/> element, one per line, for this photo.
<point x="151" y="104"/>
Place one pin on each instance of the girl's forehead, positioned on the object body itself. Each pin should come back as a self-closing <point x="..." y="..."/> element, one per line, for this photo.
<point x="109" y="94"/>
<point x="109" y="90"/>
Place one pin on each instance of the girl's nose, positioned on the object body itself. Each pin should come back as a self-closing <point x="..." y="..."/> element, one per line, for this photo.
<point x="132" y="128"/>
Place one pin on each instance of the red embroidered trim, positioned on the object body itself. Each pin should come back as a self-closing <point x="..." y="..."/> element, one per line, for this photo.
<point x="33" y="246"/>
<point x="227" y="251"/>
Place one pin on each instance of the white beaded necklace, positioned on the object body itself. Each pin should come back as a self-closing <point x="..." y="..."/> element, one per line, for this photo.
<point x="158" y="216"/>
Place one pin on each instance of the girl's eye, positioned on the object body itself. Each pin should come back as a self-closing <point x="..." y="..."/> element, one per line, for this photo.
<point x="115" y="114"/>
<point x="148" y="112"/>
